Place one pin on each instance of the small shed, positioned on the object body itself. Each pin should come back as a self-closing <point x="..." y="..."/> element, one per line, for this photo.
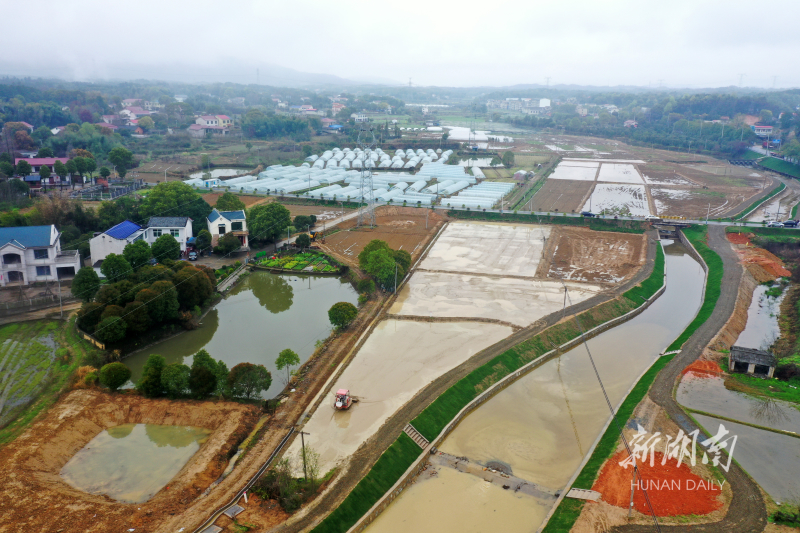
<point x="751" y="361"/>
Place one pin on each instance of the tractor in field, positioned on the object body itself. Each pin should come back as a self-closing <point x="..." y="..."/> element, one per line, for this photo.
<point x="343" y="400"/>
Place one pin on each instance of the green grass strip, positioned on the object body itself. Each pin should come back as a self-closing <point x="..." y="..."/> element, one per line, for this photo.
<point x="385" y="473"/>
<point x="697" y="236"/>
<point x="779" y="165"/>
<point x="597" y="224"/>
<point x="757" y="203"/>
<point x="568" y="510"/>
<point x="750" y="155"/>
<point x="402" y="453"/>
<point x="794" y="211"/>
<point x="529" y="193"/>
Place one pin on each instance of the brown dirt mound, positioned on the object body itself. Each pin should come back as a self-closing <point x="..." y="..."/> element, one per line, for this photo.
<point x="738" y="238"/>
<point x="763" y="265"/>
<point x="673" y="490"/>
<point x="701" y="368"/>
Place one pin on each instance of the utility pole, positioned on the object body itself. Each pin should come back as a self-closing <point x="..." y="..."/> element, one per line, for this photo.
<point x="60" y="306"/>
<point x="303" y="442"/>
<point x="395" y="278"/>
<point x="707" y="213"/>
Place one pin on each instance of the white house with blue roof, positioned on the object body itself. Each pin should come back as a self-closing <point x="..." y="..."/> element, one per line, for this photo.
<point x="222" y="222"/>
<point x="33" y="253"/>
<point x="113" y="241"/>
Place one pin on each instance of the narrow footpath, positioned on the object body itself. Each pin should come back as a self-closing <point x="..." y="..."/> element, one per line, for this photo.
<point x="747" y="512"/>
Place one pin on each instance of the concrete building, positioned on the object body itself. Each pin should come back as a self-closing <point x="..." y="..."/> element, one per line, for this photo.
<point x="761" y="131"/>
<point x="113" y="241"/>
<point x="222" y="222"/>
<point x="33" y="253"/>
<point x="178" y="227"/>
<point x="37" y="163"/>
<point x="544" y="102"/>
<point x="750" y="361"/>
<point x="207" y="120"/>
<point x="197" y="130"/>
<point x="225" y="121"/>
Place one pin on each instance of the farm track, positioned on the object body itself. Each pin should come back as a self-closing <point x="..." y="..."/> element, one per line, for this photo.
<point x="368" y="453"/>
<point x="747" y="512"/>
<point x="417" y="318"/>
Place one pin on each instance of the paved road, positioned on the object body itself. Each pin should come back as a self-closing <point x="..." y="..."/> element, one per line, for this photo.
<point x="747" y="513"/>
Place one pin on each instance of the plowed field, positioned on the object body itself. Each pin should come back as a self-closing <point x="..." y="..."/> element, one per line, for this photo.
<point x="561" y="195"/>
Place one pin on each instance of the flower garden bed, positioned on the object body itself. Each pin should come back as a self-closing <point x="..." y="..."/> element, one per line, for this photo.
<point x="303" y="262"/>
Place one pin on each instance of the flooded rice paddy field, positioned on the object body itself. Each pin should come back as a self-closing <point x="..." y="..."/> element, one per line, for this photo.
<point x="615" y="199"/>
<point x="514" y="300"/>
<point x="762" y="328"/>
<point x="543" y="425"/>
<point x="262" y="315"/>
<point x="619" y="173"/>
<point x="131" y="462"/>
<point x="399" y="358"/>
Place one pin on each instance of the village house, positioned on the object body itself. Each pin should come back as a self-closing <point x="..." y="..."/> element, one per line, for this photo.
<point x="222" y="222"/>
<point x="37" y="163"/>
<point x="197" y="130"/>
<point x="115" y="239"/>
<point x="178" y="227"/>
<point x="33" y="253"/>
<point x="761" y="131"/>
<point x="225" y="121"/>
<point x="207" y="120"/>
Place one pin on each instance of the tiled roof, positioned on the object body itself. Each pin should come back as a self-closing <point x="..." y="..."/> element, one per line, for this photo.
<point x="167" y="222"/>
<point x="751" y="356"/>
<point x="123" y="230"/>
<point x="36" y="161"/>
<point x="233" y="215"/>
<point x="26" y="236"/>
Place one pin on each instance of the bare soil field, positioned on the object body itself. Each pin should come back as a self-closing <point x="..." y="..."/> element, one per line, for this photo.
<point x="580" y="254"/>
<point x="403" y="228"/>
<point x="248" y="201"/>
<point x="35" y="498"/>
<point x="323" y="213"/>
<point x="561" y="195"/>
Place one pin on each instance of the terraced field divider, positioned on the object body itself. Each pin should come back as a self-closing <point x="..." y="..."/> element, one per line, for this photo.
<point x="566" y="512"/>
<point x="402" y="461"/>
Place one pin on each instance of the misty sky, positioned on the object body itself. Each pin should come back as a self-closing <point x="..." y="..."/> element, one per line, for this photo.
<point x="685" y="43"/>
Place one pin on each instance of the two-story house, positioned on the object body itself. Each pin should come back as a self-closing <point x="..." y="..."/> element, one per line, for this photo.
<point x="178" y="227"/>
<point x="113" y="241"/>
<point x="33" y="253"/>
<point x="207" y="120"/>
<point x="225" y="121"/>
<point x="222" y="222"/>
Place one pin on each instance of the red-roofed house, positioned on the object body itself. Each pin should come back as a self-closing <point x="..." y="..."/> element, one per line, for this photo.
<point x="38" y="162"/>
<point x="201" y="130"/>
<point x="29" y="126"/>
<point x="135" y="112"/>
<point x="207" y="120"/>
<point x="337" y="107"/>
<point x="225" y="121"/>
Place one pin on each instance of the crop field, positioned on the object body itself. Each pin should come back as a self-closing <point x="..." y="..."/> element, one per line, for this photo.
<point x="564" y="196"/>
<point x="616" y="199"/>
<point x="27" y="355"/>
<point x="661" y="177"/>
<point x="248" y="201"/>
<point x="619" y="173"/>
<point x="403" y="228"/>
<point x="574" y="173"/>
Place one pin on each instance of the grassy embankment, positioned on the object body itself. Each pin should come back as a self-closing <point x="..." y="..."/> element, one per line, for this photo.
<point x="752" y="207"/>
<point x="750" y="155"/>
<point x="779" y="165"/>
<point x="597" y="224"/>
<point x="569" y="509"/>
<point x="402" y="454"/>
<point x="38" y="368"/>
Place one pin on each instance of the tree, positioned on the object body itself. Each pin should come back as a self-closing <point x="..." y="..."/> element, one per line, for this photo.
<point x="175" y="379"/>
<point x="45" y="151"/>
<point x="7" y="169"/>
<point x="111" y="329"/>
<point x="114" y="375"/>
<point x="229" y="202"/>
<point x="44" y="172"/>
<point x="146" y="123"/>
<point x="107" y="295"/>
<point x="247" y="380"/>
<point x="24" y="169"/>
<point x="90" y="165"/>
<point x="150" y="384"/>
<point x="303" y="240"/>
<point x="203" y="241"/>
<point x="202" y="382"/>
<point x="86" y="284"/>
<point x="286" y="359"/>
<point x="267" y="222"/>
<point x="228" y="244"/>
<point x="180" y="200"/>
<point x="303" y="222"/>
<point x="342" y="314"/>
<point x="166" y="247"/>
<point x="72" y="168"/>
<point x="508" y="158"/>
<point x="105" y="172"/>
<point x="137" y="253"/>
<point x="121" y="158"/>
<point x="382" y="265"/>
<point x="89" y="316"/>
<point x="306" y="150"/>
<point x="402" y="258"/>
<point x="60" y="169"/>
<point x="161" y="300"/>
<point x="137" y="317"/>
<point x="249" y="146"/>
<point x="372" y="246"/>
<point x="115" y="267"/>
<point x="193" y="287"/>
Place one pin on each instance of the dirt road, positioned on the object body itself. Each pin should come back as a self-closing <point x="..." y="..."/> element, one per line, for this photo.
<point x="747" y="512"/>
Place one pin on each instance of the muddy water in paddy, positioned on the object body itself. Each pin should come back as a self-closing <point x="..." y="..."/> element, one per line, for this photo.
<point x="543" y="425"/>
<point x="261" y="316"/>
<point x="762" y="320"/>
<point x="132" y="462"/>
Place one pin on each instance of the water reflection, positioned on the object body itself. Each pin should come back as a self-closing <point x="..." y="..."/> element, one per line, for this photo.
<point x="274" y="292"/>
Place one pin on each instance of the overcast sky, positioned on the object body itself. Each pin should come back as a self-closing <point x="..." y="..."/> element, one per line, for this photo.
<point x="685" y="43"/>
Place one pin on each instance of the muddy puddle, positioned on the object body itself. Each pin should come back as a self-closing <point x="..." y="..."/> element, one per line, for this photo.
<point x="261" y="316"/>
<point x="131" y="462"/>
<point x="545" y="423"/>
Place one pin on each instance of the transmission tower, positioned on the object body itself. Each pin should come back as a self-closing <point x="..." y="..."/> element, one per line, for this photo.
<point x="366" y="141"/>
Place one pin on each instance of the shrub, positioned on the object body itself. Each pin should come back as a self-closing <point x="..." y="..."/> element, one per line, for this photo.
<point x="111" y="329"/>
<point x="366" y="285"/>
<point x="150" y="384"/>
<point x="175" y="379"/>
<point x="114" y="375"/>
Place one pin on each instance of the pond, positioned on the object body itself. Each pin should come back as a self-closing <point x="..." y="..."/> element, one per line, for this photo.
<point x="132" y="462"/>
<point x="218" y="173"/>
<point x="263" y="314"/>
<point x="762" y="328"/>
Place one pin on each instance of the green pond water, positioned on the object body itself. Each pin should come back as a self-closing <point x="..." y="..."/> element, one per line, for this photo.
<point x="131" y="462"/>
<point x="264" y="314"/>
